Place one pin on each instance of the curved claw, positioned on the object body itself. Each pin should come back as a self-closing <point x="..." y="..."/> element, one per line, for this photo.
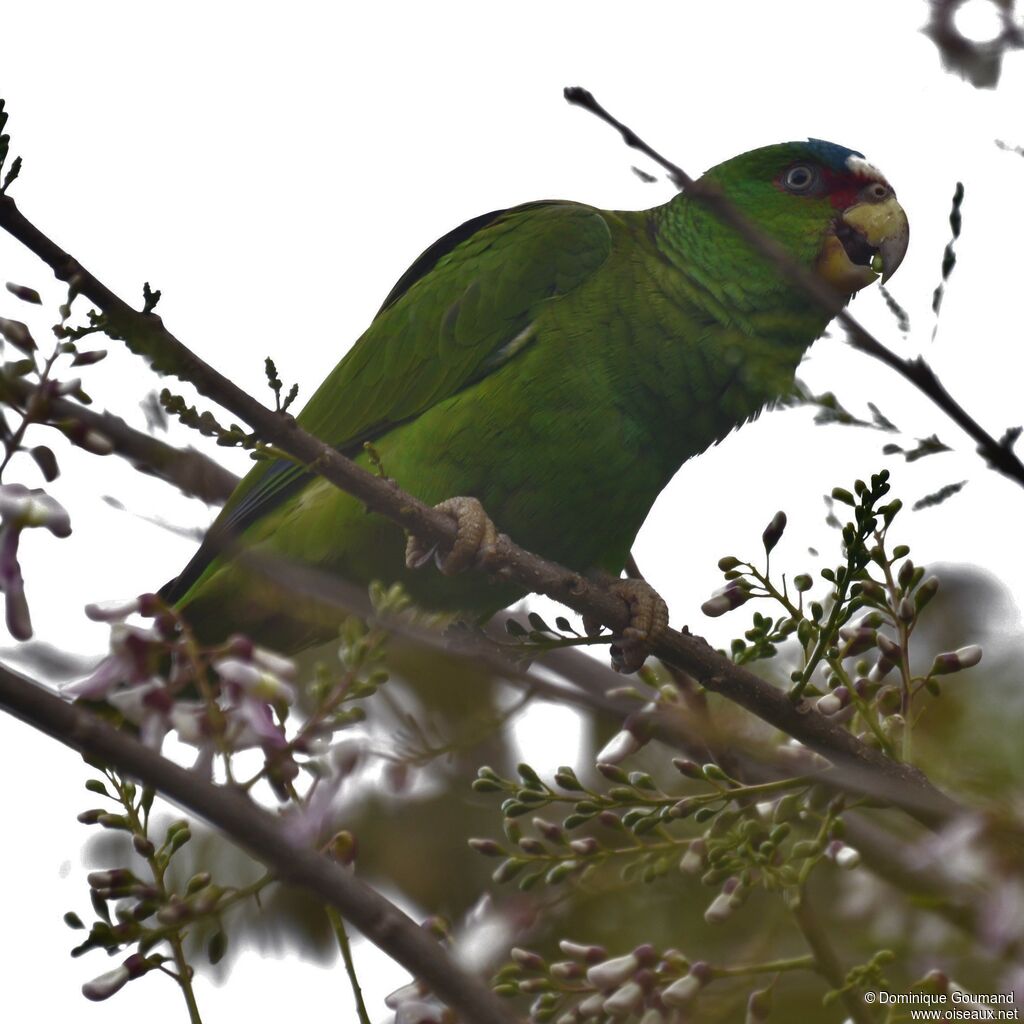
<point x="648" y="619"/>
<point x="476" y="539"/>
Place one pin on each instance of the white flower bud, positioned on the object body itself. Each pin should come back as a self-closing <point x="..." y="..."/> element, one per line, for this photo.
<point x="106" y="985"/>
<point x="627" y="999"/>
<point x="653" y="1016"/>
<point x="681" y="993"/>
<point x="613" y="973"/>
<point x="619" y="747"/>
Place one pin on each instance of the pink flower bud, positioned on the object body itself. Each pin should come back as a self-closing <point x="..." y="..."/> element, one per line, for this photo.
<point x="584" y="954"/>
<point x="725" y="600"/>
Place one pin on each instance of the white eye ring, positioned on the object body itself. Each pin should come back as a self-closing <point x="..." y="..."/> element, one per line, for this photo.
<point x="800" y="178"/>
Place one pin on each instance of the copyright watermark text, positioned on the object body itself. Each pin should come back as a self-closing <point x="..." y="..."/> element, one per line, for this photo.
<point x="953" y="1005"/>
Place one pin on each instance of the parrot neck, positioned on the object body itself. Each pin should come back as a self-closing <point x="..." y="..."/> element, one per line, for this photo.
<point x="721" y="273"/>
<point x="746" y="330"/>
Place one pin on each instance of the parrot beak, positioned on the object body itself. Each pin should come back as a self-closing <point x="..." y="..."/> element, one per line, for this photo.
<point x="867" y="240"/>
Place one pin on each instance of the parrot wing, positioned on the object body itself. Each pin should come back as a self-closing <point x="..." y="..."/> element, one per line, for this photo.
<point x="465" y="307"/>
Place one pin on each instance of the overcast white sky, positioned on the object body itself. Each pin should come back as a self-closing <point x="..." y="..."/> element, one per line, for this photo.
<point x="274" y="172"/>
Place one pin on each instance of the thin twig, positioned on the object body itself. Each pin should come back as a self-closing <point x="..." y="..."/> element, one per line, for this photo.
<point x="188" y="469"/>
<point x="998" y="454"/>
<point x="338" y="925"/>
<point x="826" y="959"/>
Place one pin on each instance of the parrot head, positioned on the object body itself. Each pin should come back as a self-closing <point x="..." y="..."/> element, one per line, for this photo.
<point x="830" y="207"/>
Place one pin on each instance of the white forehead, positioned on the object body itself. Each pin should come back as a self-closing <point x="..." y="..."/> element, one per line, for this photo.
<point x="859" y="166"/>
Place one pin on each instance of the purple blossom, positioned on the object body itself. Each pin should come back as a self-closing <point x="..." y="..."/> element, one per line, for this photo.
<point x="486" y="933"/>
<point x="148" y="706"/>
<point x="21" y="507"/>
<point x="133" y="650"/>
<point x="253" y="681"/>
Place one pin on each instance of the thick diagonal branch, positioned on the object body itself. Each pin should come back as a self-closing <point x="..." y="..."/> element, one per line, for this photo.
<point x="145" y="334"/>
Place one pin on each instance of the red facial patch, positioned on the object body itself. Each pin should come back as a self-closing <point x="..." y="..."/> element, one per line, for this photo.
<point x="843" y="187"/>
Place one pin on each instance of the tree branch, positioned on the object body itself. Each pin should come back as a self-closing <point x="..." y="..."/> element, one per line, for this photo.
<point x="145" y="334"/>
<point x="188" y="469"/>
<point x="265" y="837"/>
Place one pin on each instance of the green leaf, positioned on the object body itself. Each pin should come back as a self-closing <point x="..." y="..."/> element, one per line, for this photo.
<point x="939" y="496"/>
<point x="217" y="947"/>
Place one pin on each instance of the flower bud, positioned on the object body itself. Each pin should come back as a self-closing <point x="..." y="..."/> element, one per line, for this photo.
<point x="342" y="847"/>
<point x="592" y="1006"/>
<point x="857" y="641"/>
<point x="693" y="860"/>
<point x="619" y="747"/>
<point x="681" y="992"/>
<point x="487" y="847"/>
<point x="724" y="903"/>
<point x="612" y="973"/>
<point x="111" y="611"/>
<point x="759" y="1006"/>
<point x="625" y="1001"/>
<point x="834" y="701"/>
<point x="584" y="954"/>
<point x="253" y="681"/>
<point x="653" y="1016"/>
<point x="113" y="981"/>
<point x="926" y="592"/>
<point x="889" y="648"/>
<point x="773" y="531"/>
<point x="954" y="661"/>
<point x="551" y="831"/>
<point x="106" y="985"/>
<point x="906" y="574"/>
<point x="527" y="958"/>
<point x="843" y="856"/>
<point x="893" y="728"/>
<point x="566" y="970"/>
<point x="725" y="600"/>
<point x="888" y="700"/>
<point x="17" y="334"/>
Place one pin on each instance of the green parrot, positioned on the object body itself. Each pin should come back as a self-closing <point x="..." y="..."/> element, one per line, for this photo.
<point x="559" y="363"/>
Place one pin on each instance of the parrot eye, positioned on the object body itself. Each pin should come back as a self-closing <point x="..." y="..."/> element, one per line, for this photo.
<point x="800" y="178"/>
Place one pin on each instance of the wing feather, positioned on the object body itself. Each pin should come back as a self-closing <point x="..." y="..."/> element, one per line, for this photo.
<point x="463" y="309"/>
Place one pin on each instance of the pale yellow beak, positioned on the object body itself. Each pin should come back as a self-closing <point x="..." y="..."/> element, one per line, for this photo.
<point x="869" y="240"/>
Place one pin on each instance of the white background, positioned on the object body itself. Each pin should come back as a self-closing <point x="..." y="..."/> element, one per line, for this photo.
<point x="274" y="170"/>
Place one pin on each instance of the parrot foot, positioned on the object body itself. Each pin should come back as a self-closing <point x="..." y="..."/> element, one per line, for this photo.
<point x="476" y="540"/>
<point x="648" y="619"/>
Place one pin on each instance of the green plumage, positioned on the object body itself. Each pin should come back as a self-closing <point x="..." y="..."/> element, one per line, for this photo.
<point x="556" y="361"/>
